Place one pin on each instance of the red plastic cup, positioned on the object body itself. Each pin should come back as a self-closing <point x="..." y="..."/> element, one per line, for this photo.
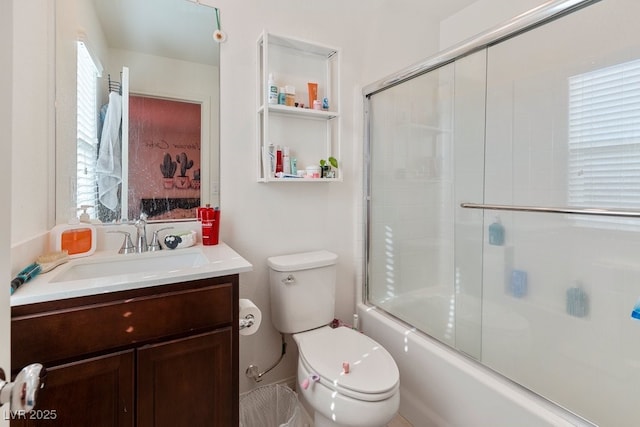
<point x="210" y="219"/>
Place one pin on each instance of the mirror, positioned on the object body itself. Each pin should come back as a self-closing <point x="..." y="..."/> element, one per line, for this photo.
<point x="163" y="55"/>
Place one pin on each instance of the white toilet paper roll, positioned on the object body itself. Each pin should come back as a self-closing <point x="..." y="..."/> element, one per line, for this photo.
<point x="250" y="317"/>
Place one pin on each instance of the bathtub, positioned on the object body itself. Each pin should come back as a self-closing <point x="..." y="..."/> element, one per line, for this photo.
<point x="440" y="387"/>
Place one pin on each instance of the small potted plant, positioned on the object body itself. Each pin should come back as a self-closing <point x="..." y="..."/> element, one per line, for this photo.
<point x="326" y="166"/>
<point x="195" y="182"/>
<point x="168" y="169"/>
<point x="182" y="180"/>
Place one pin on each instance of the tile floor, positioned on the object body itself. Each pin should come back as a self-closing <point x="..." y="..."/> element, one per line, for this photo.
<point x="398" y="421"/>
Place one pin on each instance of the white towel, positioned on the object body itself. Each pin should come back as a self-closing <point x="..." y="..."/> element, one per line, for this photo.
<point x="109" y="166"/>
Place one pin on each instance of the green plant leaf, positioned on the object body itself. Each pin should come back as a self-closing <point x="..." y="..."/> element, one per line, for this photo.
<point x="333" y="162"/>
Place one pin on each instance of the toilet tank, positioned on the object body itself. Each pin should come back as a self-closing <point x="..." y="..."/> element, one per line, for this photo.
<point x="303" y="290"/>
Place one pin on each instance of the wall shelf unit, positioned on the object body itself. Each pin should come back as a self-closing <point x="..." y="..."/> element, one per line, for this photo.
<point x="311" y="135"/>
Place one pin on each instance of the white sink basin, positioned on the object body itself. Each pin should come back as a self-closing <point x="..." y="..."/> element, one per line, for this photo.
<point x="152" y="263"/>
<point x="106" y="271"/>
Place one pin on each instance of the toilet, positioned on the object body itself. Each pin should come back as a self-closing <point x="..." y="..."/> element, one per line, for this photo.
<point x="346" y="378"/>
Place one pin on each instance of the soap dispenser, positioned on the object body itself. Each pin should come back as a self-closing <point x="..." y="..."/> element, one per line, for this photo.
<point x="77" y="237"/>
<point x="496" y="233"/>
<point x="84" y="216"/>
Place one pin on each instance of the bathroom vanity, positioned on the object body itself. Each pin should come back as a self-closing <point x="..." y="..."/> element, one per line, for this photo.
<point x="164" y="355"/>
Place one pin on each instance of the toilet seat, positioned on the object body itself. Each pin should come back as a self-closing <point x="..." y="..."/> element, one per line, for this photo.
<point x="373" y="374"/>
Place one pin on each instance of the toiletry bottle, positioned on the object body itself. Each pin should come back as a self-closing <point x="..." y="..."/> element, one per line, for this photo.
<point x="215" y="236"/>
<point x="313" y="93"/>
<point x="635" y="313"/>
<point x="286" y="161"/>
<point x="272" y="159"/>
<point x="273" y="90"/>
<point x="282" y="97"/>
<point x="290" y="97"/>
<point x="294" y="166"/>
<point x="496" y="233"/>
<point x="278" y="160"/>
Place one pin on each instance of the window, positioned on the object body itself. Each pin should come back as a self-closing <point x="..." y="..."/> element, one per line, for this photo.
<point x="87" y="130"/>
<point x="604" y="140"/>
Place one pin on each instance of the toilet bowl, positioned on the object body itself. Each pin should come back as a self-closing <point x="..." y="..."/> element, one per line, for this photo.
<point x="367" y="396"/>
<point x="346" y="378"/>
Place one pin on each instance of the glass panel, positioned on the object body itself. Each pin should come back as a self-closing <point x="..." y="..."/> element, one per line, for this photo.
<point x="411" y="256"/>
<point x="563" y="129"/>
<point x="468" y="154"/>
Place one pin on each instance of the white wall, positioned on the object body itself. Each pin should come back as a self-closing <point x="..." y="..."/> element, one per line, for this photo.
<point x="481" y="16"/>
<point x="262" y="220"/>
<point x="32" y="149"/>
<point x="6" y="73"/>
<point x="69" y="13"/>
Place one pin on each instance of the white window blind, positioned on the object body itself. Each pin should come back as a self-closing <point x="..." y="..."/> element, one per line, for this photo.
<point x="604" y="140"/>
<point x="87" y="130"/>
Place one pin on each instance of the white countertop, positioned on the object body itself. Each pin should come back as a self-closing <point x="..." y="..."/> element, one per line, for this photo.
<point x="219" y="260"/>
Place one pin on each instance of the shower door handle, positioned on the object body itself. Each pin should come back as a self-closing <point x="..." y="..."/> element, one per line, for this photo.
<point x="552" y="209"/>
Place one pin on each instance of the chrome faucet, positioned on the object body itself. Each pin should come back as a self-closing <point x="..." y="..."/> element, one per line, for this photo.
<point x="155" y="242"/>
<point x="141" y="233"/>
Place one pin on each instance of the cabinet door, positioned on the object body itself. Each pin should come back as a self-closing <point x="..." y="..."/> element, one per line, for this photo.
<point x="94" y="392"/>
<point x="188" y="382"/>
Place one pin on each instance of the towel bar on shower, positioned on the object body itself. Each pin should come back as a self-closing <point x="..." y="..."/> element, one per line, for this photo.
<point x="560" y="210"/>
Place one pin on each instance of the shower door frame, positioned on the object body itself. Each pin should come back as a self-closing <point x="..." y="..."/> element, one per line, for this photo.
<point x="537" y="16"/>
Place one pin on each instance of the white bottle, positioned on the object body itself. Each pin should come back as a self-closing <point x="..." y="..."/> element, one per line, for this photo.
<point x="272" y="159"/>
<point x="273" y="90"/>
<point x="286" y="162"/>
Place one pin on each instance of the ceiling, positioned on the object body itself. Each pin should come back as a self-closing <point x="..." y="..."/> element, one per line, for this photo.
<point x="176" y="29"/>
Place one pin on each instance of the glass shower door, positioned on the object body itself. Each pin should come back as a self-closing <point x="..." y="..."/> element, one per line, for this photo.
<point x="548" y="119"/>
<point x="563" y="129"/>
<point x="411" y="267"/>
<point x="414" y="270"/>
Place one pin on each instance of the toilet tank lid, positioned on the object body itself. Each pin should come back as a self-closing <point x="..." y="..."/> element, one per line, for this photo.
<point x="302" y="261"/>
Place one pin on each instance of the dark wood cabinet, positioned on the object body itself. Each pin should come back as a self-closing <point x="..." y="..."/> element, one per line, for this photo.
<point x="178" y="381"/>
<point x="94" y="392"/>
<point x="159" y="356"/>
